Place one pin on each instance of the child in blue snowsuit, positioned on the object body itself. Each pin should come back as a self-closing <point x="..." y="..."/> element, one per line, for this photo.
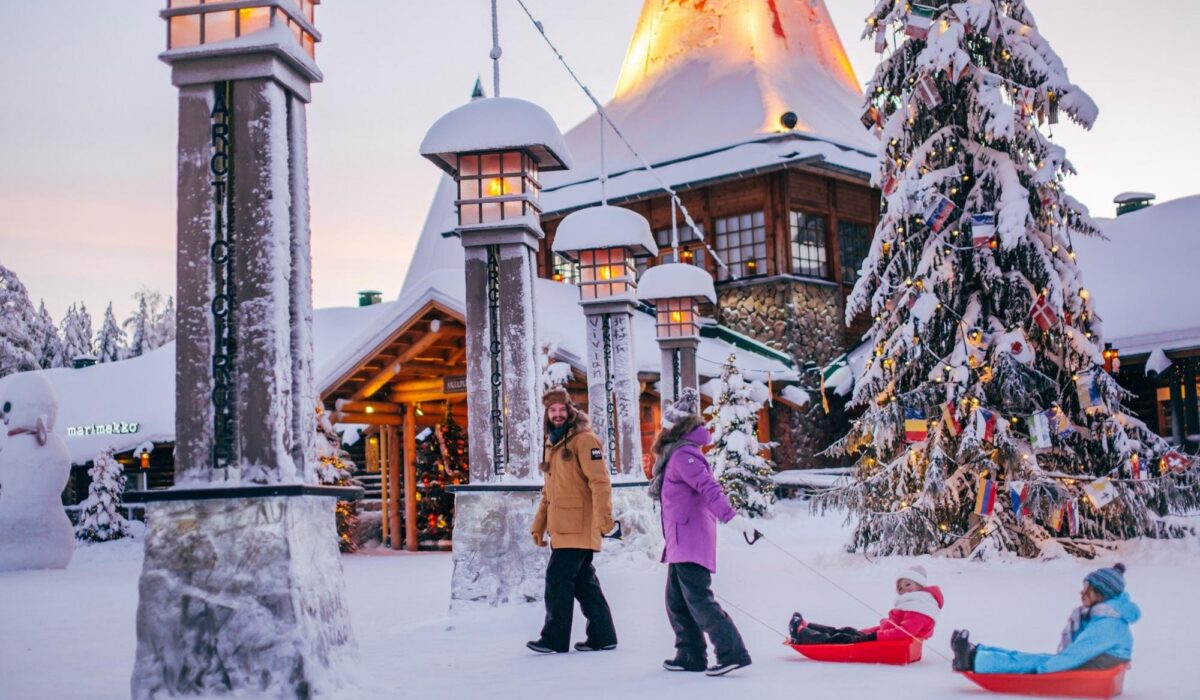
<point x="1097" y="635"/>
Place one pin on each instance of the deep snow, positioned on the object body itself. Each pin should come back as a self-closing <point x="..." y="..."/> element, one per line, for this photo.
<point x="70" y="634"/>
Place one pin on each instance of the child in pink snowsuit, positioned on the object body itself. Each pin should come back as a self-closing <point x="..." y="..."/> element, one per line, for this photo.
<point x="912" y="615"/>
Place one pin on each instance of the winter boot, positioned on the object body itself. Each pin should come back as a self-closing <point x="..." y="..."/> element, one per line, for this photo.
<point x="589" y="646"/>
<point x="964" y="651"/>
<point x="685" y="663"/>
<point x="725" y="667"/>
<point x="540" y="647"/>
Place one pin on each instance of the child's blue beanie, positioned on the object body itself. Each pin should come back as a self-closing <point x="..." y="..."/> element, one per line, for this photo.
<point x="1108" y="582"/>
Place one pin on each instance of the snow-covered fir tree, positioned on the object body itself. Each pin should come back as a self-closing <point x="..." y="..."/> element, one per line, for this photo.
<point x="110" y="341"/>
<point x="76" y="333"/>
<point x="164" y="324"/>
<point x="19" y="337"/>
<point x="138" y="326"/>
<point x="100" y="517"/>
<point x="987" y="374"/>
<point x="152" y="324"/>
<point x="737" y="459"/>
<point x="50" y="351"/>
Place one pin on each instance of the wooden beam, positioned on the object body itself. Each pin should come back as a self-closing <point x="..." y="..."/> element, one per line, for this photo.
<point x="427" y="397"/>
<point x="343" y="418"/>
<point x="384" y="488"/>
<point x="457" y="356"/>
<point x="417" y="385"/>
<point x="393" y="504"/>
<point x="410" y="478"/>
<point x="386" y="374"/>
<point x="348" y="406"/>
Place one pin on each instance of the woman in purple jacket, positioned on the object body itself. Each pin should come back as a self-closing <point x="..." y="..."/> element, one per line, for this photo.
<point x="692" y="503"/>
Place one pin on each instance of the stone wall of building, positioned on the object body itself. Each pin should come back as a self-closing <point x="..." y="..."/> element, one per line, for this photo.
<point x="805" y="321"/>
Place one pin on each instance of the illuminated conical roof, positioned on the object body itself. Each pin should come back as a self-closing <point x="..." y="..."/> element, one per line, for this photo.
<point x="701" y="75"/>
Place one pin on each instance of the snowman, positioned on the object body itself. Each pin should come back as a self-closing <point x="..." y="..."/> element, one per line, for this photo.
<point x="34" y="465"/>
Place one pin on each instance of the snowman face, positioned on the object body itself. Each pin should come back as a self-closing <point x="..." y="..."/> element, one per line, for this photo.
<point x="25" y="397"/>
<point x="5" y="410"/>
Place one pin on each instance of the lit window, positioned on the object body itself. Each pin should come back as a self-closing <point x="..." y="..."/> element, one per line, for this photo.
<point x="496" y="186"/>
<point x="565" y="270"/>
<point x="742" y="244"/>
<point x="808" y="245"/>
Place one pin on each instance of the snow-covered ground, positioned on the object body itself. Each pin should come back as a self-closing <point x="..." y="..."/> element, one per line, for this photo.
<point x="70" y="634"/>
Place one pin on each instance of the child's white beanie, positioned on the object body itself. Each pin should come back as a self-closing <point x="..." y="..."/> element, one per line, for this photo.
<point x="916" y="574"/>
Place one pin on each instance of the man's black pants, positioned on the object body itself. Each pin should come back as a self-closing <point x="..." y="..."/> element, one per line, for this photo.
<point x="570" y="576"/>
<point x="693" y="611"/>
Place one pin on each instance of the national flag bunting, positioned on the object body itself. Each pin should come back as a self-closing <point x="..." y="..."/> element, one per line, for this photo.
<point x="1039" y="430"/>
<point x="880" y="41"/>
<point x="1060" y="425"/>
<point x="983" y="228"/>
<point x="1101" y="492"/>
<point x="891" y="179"/>
<point x="1018" y="496"/>
<point x="985" y="424"/>
<point x="872" y="118"/>
<point x="920" y="19"/>
<point x="1088" y="389"/>
<point x="916" y="428"/>
<point x="1176" y="462"/>
<point x="1135" y="467"/>
<point x="1026" y="101"/>
<point x="926" y="91"/>
<point x="1043" y="314"/>
<point x="952" y="423"/>
<point x="985" y="496"/>
<point x="939" y="212"/>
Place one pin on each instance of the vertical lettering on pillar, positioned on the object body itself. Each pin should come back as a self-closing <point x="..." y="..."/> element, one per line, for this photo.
<point x="224" y="301"/>
<point x="610" y="404"/>
<point x="676" y="373"/>
<point x="499" y="409"/>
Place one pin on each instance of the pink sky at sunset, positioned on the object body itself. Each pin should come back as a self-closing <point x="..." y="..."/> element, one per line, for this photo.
<point x="87" y="123"/>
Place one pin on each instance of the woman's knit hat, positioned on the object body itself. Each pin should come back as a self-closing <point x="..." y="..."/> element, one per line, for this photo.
<point x="1108" y="582"/>
<point x="687" y="405"/>
<point x="916" y="574"/>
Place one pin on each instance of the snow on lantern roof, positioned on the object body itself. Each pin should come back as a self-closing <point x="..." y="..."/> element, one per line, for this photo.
<point x="496" y="124"/>
<point x="676" y="281"/>
<point x="604" y="227"/>
<point x="1127" y="197"/>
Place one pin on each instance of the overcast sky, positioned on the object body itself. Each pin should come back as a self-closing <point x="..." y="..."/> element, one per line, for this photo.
<point x="87" y="122"/>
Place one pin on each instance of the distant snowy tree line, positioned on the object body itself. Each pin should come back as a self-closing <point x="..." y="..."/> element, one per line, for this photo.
<point x="29" y="338"/>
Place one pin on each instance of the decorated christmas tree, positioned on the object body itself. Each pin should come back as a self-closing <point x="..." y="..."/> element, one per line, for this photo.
<point x="988" y="420"/>
<point x="100" y="517"/>
<point x="335" y="470"/>
<point x="441" y="460"/>
<point x="737" y="455"/>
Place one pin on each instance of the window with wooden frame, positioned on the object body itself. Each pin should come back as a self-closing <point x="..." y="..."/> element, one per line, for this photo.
<point x="691" y="248"/>
<point x="854" y="242"/>
<point x="809" y="253"/>
<point x="564" y="270"/>
<point x="742" y="243"/>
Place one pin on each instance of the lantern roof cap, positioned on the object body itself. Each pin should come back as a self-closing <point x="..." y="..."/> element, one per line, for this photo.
<point x="676" y="281"/>
<point x="496" y="124"/>
<point x="604" y="227"/>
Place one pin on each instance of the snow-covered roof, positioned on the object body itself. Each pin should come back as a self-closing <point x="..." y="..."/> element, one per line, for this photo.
<point x="1133" y="197"/>
<point x="1144" y="279"/>
<point x="496" y="123"/>
<point x="701" y="78"/>
<point x="676" y="281"/>
<point x="604" y="227"/>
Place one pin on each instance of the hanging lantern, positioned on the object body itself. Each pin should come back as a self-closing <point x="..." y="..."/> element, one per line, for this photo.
<point x="1112" y="359"/>
<point x="676" y="289"/>
<point x="604" y="241"/>
<point x="197" y="23"/>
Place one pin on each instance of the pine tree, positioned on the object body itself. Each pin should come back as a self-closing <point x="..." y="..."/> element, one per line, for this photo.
<point x="737" y="456"/>
<point x="335" y="468"/>
<point x="50" y="352"/>
<point x="138" y="326"/>
<point x="100" y="517"/>
<point x="110" y="341"/>
<point x="441" y="460"/>
<point x="76" y="333"/>
<point x="983" y="332"/>
<point x="164" y="323"/>
<point x="19" y="337"/>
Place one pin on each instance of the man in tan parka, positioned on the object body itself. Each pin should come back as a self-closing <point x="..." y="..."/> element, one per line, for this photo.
<point x="576" y="510"/>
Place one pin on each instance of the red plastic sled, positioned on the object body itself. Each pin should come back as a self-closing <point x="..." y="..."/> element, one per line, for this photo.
<point x="897" y="653"/>
<point x="1104" y="683"/>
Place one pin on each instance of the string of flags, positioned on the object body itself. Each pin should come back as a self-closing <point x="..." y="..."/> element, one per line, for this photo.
<point x="985" y="496"/>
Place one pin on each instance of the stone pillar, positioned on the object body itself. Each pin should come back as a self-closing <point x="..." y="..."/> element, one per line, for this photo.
<point x="613" y="389"/>
<point x="679" y="367"/>
<point x="242" y="588"/>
